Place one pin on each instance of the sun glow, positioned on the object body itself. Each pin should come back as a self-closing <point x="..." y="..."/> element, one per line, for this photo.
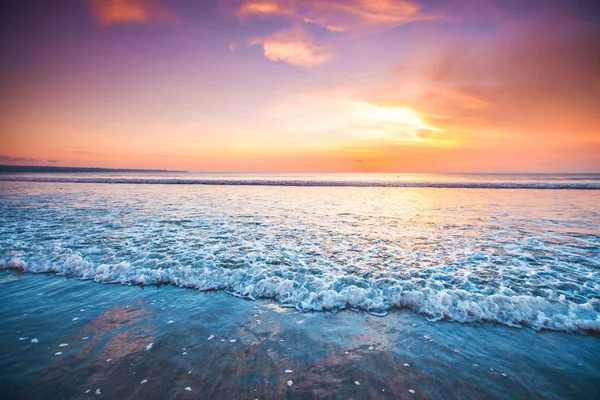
<point x="399" y="123"/>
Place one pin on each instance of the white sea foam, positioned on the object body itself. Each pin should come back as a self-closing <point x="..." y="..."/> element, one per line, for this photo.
<point x="377" y="297"/>
<point x="16" y="262"/>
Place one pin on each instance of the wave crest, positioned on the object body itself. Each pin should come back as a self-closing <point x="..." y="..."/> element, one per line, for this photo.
<point x="376" y="297"/>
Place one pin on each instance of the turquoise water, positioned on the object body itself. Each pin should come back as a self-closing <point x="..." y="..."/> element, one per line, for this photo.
<point x="484" y="290"/>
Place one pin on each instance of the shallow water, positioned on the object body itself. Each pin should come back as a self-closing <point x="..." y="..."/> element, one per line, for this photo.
<point x="517" y="257"/>
<point x="326" y="353"/>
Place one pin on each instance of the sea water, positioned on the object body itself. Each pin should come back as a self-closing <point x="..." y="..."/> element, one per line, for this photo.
<point x="518" y="250"/>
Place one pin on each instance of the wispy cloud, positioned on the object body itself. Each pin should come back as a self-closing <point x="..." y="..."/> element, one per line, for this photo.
<point x="294" y="46"/>
<point x="544" y="85"/>
<point x="264" y="8"/>
<point x="338" y="16"/>
<point x="108" y="12"/>
<point x="10" y="159"/>
<point x="354" y="15"/>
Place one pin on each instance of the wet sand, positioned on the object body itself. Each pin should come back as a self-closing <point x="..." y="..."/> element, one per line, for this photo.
<point x="153" y="343"/>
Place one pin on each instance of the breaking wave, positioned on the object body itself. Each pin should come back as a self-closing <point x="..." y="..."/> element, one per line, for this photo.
<point x="378" y="296"/>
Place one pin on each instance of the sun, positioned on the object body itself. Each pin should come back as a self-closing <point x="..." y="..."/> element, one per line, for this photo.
<point x="399" y="123"/>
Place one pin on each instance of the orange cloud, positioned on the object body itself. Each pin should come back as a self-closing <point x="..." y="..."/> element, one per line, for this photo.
<point x="266" y="8"/>
<point x="338" y="16"/>
<point x="294" y="46"/>
<point x="119" y="11"/>
<point x="518" y="103"/>
<point x="365" y="14"/>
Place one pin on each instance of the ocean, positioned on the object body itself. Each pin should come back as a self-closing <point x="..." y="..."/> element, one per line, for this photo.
<point x="416" y="269"/>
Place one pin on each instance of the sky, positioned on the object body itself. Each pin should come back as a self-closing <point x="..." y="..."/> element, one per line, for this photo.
<point x="302" y="85"/>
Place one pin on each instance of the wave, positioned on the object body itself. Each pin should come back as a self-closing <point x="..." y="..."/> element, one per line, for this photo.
<point x="378" y="297"/>
<point x="310" y="183"/>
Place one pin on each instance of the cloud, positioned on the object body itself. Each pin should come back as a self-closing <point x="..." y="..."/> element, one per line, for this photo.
<point x="294" y="46"/>
<point x="108" y="12"/>
<point x="338" y="16"/>
<point x="546" y="83"/>
<point x="333" y="28"/>
<point x="523" y="95"/>
<point x="265" y="8"/>
<point x="18" y="159"/>
<point x="53" y="161"/>
<point x="352" y="15"/>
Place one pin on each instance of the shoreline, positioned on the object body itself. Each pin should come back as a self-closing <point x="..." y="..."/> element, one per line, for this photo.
<point x="326" y="353"/>
<point x="392" y="309"/>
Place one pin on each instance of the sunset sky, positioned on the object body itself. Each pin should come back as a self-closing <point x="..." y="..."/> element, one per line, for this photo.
<point x="302" y="85"/>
